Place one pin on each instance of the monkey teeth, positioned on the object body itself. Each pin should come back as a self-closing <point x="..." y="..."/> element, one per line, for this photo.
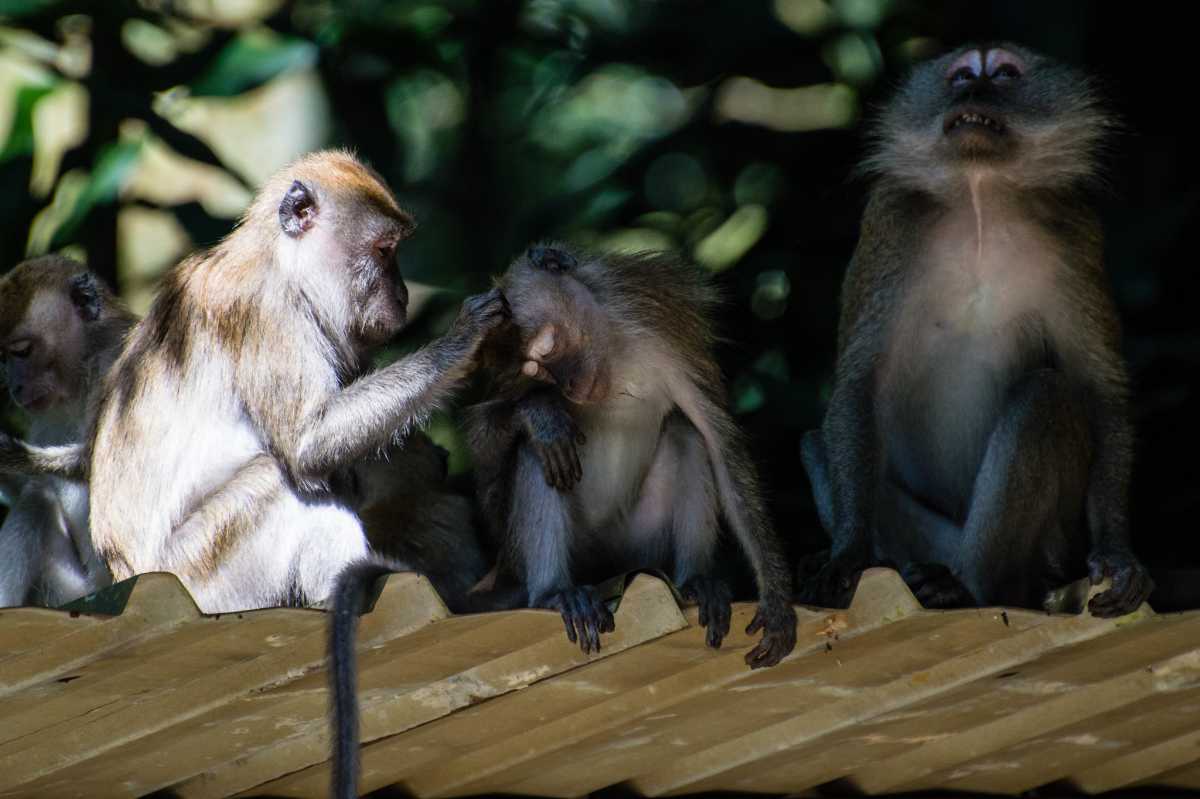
<point x="976" y="119"/>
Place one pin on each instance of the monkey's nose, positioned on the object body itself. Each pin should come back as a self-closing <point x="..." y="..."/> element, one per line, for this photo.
<point x="1000" y="63"/>
<point x="967" y="67"/>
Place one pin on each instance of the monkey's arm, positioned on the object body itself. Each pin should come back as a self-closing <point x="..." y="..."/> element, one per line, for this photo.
<point x="363" y="416"/>
<point x="742" y="505"/>
<point x="1111" y="552"/>
<point x="17" y="457"/>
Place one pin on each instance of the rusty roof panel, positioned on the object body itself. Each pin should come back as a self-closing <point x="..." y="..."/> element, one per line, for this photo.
<point x="883" y="696"/>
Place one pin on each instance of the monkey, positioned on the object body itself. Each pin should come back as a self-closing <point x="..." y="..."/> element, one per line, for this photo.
<point x="237" y="405"/>
<point x="410" y="517"/>
<point x="60" y="331"/>
<point x="978" y="432"/>
<point x="608" y="445"/>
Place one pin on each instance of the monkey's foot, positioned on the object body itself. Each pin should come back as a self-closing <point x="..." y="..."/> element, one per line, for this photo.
<point x="777" y="620"/>
<point x="715" y="601"/>
<point x="584" y="615"/>
<point x="1131" y="584"/>
<point x="935" y="586"/>
<point x="832" y="585"/>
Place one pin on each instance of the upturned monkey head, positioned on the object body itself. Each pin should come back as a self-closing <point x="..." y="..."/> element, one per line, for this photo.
<point x="336" y="229"/>
<point x="991" y="109"/>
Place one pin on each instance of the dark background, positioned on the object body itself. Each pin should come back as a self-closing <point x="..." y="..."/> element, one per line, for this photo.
<point x="608" y="123"/>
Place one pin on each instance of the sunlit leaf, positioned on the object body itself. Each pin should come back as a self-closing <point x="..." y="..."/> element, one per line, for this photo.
<point x="252" y="59"/>
<point x="20" y="137"/>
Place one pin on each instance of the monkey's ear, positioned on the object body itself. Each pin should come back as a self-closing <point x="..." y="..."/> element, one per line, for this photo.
<point x="297" y="210"/>
<point x="85" y="296"/>
<point x="551" y="259"/>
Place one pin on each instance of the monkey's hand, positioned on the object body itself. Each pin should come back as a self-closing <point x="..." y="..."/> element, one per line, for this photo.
<point x="777" y="620"/>
<point x="480" y="315"/>
<point x="714" y="599"/>
<point x="833" y="584"/>
<point x="584" y="614"/>
<point x="1131" y="584"/>
<point x="555" y="439"/>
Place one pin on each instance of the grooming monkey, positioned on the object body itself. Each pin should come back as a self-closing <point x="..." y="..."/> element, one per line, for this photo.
<point x="60" y="330"/>
<point x="978" y="432"/>
<point x="227" y="426"/>
<point x="615" y="350"/>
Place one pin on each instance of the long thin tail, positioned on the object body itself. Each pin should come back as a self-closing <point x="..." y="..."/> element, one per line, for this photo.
<point x="349" y="596"/>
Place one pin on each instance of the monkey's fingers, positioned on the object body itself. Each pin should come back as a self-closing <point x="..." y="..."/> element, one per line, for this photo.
<point x="537" y="372"/>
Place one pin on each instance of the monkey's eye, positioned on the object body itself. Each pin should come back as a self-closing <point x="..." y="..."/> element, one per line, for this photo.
<point x="1006" y="72"/>
<point x="19" y="349"/>
<point x="962" y="76"/>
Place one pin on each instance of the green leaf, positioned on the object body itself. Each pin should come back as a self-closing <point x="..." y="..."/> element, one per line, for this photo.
<point x="113" y="167"/>
<point x="252" y="59"/>
<point x="20" y="137"/>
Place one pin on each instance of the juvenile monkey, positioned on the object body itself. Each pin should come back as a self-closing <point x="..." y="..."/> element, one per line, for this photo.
<point x="60" y="330"/>
<point x="978" y="431"/>
<point x="616" y="350"/>
<point x="227" y="425"/>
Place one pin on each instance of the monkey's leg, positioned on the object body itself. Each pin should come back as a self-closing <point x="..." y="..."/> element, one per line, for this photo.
<point x="678" y="495"/>
<point x="541" y="530"/>
<point x="816" y="464"/>
<point x="1027" y="504"/>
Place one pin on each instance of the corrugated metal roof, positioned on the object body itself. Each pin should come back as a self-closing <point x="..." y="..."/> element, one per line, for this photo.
<point x="885" y="696"/>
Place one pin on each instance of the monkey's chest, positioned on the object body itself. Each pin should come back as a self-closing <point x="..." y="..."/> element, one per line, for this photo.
<point x="962" y="340"/>
<point x="620" y="447"/>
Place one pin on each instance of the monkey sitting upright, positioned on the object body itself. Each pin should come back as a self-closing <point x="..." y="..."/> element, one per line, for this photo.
<point x="617" y="349"/>
<point x="242" y="399"/>
<point x="60" y="330"/>
<point x="978" y="433"/>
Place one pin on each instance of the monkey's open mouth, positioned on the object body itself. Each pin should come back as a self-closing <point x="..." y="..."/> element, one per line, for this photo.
<point x="973" y="119"/>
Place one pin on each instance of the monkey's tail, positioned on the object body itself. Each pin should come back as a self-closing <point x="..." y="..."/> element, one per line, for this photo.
<point x="349" y="595"/>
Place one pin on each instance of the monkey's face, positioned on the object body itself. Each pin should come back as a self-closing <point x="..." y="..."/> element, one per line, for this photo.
<point x="347" y="237"/>
<point x="993" y="107"/>
<point x="565" y="335"/>
<point x="43" y="353"/>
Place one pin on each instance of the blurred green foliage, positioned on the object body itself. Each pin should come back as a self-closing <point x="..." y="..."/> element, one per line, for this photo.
<point x="722" y="128"/>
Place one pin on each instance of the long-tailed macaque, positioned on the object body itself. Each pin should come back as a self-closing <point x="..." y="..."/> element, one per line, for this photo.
<point x="978" y="433"/>
<point x="227" y="425"/>
<point x="60" y="330"/>
<point x="609" y="446"/>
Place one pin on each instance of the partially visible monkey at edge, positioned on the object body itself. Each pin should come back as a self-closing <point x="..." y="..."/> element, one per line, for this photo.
<point x="239" y="403"/>
<point x="60" y="330"/>
<point x="978" y="434"/>
<point x="610" y="447"/>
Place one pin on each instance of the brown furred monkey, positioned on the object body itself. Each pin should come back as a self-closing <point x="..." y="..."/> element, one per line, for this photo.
<point x="626" y="342"/>
<point x="978" y="433"/>
<point x="60" y="330"/>
<point x="235" y="409"/>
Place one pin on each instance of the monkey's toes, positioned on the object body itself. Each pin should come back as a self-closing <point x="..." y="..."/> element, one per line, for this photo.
<point x="584" y="615"/>
<point x="715" y="603"/>
<point x="832" y="586"/>
<point x="778" y="623"/>
<point x="935" y="586"/>
<point x="1131" y="583"/>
